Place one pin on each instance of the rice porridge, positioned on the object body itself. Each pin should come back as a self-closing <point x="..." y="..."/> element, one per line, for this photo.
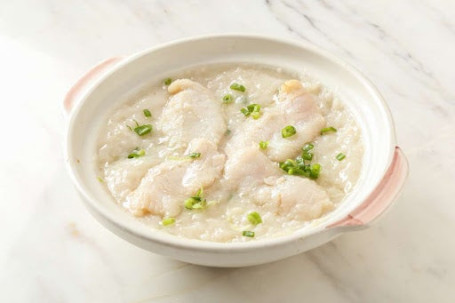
<point x="230" y="153"/>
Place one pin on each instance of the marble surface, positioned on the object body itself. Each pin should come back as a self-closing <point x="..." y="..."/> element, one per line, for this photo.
<point x="52" y="250"/>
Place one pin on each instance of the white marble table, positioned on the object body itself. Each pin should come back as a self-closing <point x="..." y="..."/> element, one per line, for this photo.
<point x="52" y="250"/>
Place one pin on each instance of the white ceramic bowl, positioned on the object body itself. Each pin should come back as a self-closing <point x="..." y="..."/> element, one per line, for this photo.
<point x="382" y="176"/>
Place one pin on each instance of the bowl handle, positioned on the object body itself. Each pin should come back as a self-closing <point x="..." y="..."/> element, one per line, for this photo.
<point x="83" y="82"/>
<point x="381" y="197"/>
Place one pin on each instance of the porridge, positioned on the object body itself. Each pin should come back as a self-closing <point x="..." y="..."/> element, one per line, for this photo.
<point x="230" y="153"/>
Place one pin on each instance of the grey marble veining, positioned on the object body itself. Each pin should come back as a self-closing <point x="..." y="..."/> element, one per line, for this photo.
<point x="52" y="250"/>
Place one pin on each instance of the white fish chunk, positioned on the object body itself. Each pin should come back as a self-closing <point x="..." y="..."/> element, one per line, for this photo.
<point x="165" y="187"/>
<point x="203" y="171"/>
<point x="249" y="167"/>
<point x="298" y="198"/>
<point x="296" y="107"/>
<point x="125" y="175"/>
<point x="191" y="112"/>
<point x="257" y="178"/>
<point x="159" y="192"/>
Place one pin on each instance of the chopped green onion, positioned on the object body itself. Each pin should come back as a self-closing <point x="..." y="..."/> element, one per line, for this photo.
<point x="300" y="162"/>
<point x="190" y="202"/>
<point x="254" y="218"/>
<point x="307" y="156"/>
<point x="327" y="130"/>
<point x="136" y="153"/>
<point x="247" y="233"/>
<point x="298" y="167"/>
<point x="308" y="147"/>
<point x="238" y="87"/>
<point x="147" y="113"/>
<point x="167" y="221"/>
<point x="143" y="129"/>
<point x="228" y="132"/>
<point x="286" y="165"/>
<point x="263" y="144"/>
<point x="340" y="156"/>
<point x="227" y="99"/>
<point x="253" y="110"/>
<point x="255" y="115"/>
<point x="288" y="131"/>
<point x="101" y="180"/>
<point x="315" y="170"/>
<point x="245" y="112"/>
<point x="167" y="81"/>
<point x="200" y="205"/>
<point x="195" y="155"/>
<point x="197" y="201"/>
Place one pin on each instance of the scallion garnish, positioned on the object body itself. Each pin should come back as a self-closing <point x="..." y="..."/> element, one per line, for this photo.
<point x="328" y="130"/>
<point x="288" y="164"/>
<point x="245" y="111"/>
<point x="288" y="131"/>
<point x="195" y="155"/>
<point x="227" y="99"/>
<point x="308" y="147"/>
<point x="136" y="153"/>
<point x="307" y="156"/>
<point x="247" y="233"/>
<point x="227" y="132"/>
<point x="142" y="130"/>
<point x="299" y="168"/>
<point x="254" y="218"/>
<point x="167" y="81"/>
<point x="340" y="156"/>
<point x="147" y="113"/>
<point x="101" y="180"/>
<point x="197" y="201"/>
<point x="238" y="87"/>
<point x="253" y="110"/>
<point x="255" y="115"/>
<point x="315" y="170"/>
<point x="167" y="221"/>
<point x="263" y="144"/>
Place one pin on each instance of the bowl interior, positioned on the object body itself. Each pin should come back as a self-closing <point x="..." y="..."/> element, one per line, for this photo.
<point x="153" y="65"/>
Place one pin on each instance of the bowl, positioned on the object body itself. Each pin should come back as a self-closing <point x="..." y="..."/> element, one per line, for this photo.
<point x="381" y="179"/>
